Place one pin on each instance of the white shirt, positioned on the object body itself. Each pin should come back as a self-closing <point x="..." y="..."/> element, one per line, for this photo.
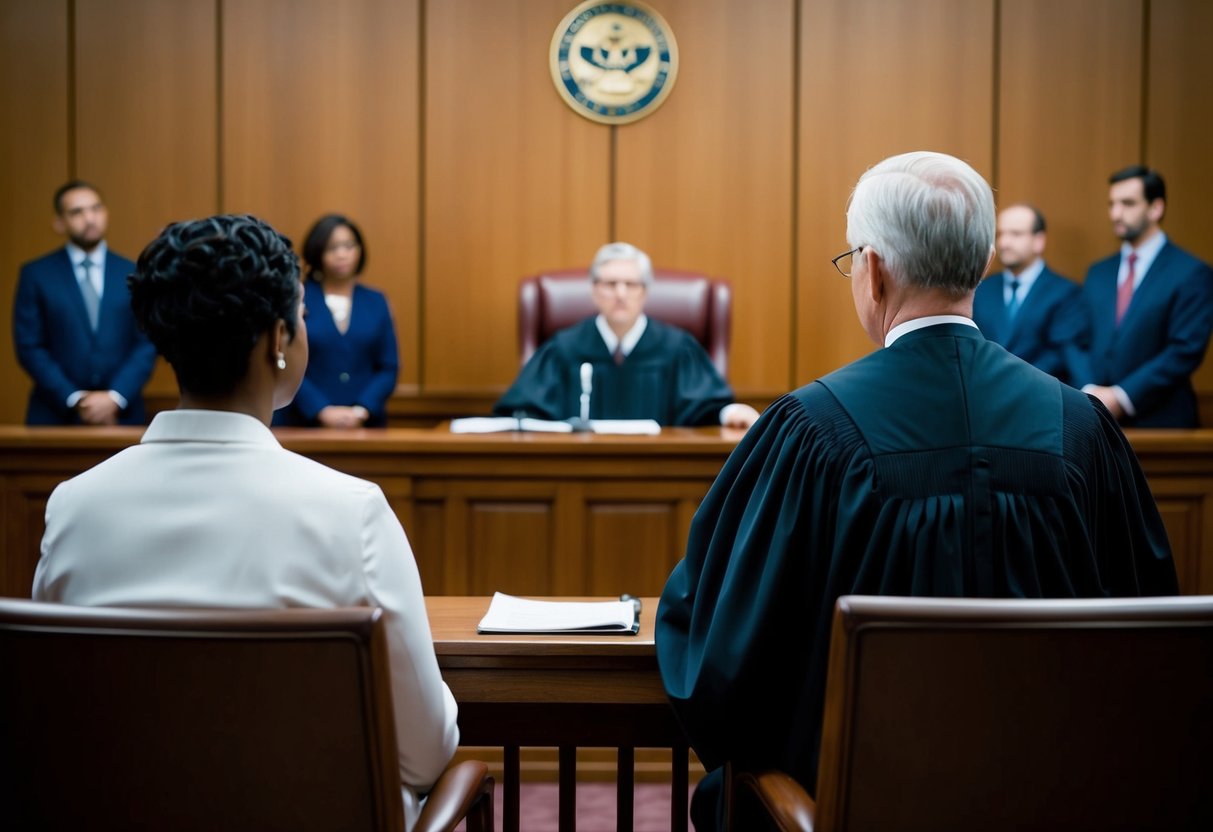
<point x="628" y="343"/>
<point x="906" y="327"/>
<point x="210" y="511"/>
<point x="96" y="274"/>
<point x="630" y="338"/>
<point x="1147" y="253"/>
<point x="1026" y="278"/>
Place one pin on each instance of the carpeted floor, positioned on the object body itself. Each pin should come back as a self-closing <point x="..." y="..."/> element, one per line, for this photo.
<point x="595" y="807"/>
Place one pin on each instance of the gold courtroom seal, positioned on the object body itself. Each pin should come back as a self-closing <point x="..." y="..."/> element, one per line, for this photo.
<point x="614" y="62"/>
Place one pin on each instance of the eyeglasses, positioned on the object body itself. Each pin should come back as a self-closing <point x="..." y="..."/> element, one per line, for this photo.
<point x="843" y="261"/>
<point x="615" y="285"/>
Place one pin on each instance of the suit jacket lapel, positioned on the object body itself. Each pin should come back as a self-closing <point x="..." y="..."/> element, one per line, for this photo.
<point x="1147" y="287"/>
<point x="68" y="286"/>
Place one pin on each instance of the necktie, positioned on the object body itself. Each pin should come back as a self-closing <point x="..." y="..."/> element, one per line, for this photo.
<point x="1124" y="292"/>
<point x="1013" y="303"/>
<point x="92" y="301"/>
<point x="618" y="354"/>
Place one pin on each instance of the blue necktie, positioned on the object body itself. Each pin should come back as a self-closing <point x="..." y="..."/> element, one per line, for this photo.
<point x="92" y="301"/>
<point x="1013" y="303"/>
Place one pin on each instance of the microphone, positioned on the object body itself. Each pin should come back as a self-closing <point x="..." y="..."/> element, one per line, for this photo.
<point x="582" y="423"/>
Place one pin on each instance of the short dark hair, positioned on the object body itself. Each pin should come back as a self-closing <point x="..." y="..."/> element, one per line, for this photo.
<point x="73" y="185"/>
<point x="317" y="240"/>
<point x="205" y="290"/>
<point x="1151" y="180"/>
<point x="1038" y="219"/>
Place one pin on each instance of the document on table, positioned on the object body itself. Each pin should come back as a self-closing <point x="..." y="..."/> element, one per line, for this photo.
<point x="509" y="614"/>
<point x="630" y="427"/>
<point x="499" y="424"/>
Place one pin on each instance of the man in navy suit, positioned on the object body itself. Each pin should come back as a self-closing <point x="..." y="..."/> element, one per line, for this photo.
<point x="1151" y="309"/>
<point x="1031" y="310"/>
<point x="73" y="327"/>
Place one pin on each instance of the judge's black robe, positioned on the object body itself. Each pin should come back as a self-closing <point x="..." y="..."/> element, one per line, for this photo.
<point x="667" y="377"/>
<point x="940" y="466"/>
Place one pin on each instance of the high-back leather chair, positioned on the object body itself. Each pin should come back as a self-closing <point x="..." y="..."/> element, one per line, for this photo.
<point x="699" y="304"/>
<point x="206" y="720"/>
<point x="1008" y="715"/>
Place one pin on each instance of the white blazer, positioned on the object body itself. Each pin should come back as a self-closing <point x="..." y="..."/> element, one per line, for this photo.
<point x="210" y="511"/>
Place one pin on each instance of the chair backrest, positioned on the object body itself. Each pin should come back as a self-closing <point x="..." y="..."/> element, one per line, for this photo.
<point x="1011" y="715"/>
<point x="699" y="304"/>
<point x="184" y="720"/>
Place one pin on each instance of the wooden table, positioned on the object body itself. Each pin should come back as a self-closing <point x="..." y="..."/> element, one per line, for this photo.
<point x="562" y="691"/>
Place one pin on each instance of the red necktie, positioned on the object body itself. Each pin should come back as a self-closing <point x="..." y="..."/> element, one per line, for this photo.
<point x="1124" y="292"/>
<point x="618" y="354"/>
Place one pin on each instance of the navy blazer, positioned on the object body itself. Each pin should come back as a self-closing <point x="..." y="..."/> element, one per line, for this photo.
<point x="1160" y="342"/>
<point x="60" y="351"/>
<point x="1050" y="330"/>
<point x="357" y="368"/>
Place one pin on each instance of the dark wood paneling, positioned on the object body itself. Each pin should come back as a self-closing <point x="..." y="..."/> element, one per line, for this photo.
<point x="510" y="548"/>
<point x="1179" y="123"/>
<point x="1069" y="115"/>
<point x="34" y="159"/>
<point x="515" y="182"/>
<point x="146" y="117"/>
<point x="706" y="182"/>
<point x="320" y="115"/>
<point x="630" y="546"/>
<point x="877" y="78"/>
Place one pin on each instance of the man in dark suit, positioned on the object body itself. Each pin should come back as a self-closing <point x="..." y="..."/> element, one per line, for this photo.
<point x="1151" y="311"/>
<point x="1030" y="309"/>
<point x="939" y="465"/>
<point x="72" y="324"/>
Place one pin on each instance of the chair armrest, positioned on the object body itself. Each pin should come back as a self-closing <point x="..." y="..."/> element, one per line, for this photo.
<point x="463" y="790"/>
<point x="785" y="800"/>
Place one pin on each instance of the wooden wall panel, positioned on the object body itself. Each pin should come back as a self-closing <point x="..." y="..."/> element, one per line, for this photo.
<point x="706" y="182"/>
<point x="34" y="160"/>
<point x="1069" y="115"/>
<point x="877" y="77"/>
<point x="510" y="548"/>
<point x="146" y="117"/>
<point x="622" y="539"/>
<point x="320" y="115"/>
<point x="1179" y="124"/>
<point x="515" y="182"/>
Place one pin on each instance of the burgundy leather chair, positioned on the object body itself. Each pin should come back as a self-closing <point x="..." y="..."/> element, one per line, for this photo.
<point x="699" y="304"/>
<point x="202" y="720"/>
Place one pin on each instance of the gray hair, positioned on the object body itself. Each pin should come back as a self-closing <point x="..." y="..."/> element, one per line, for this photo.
<point x="929" y="216"/>
<point x="623" y="251"/>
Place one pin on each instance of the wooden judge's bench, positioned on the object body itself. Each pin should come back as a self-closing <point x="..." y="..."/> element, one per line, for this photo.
<point x="541" y="514"/>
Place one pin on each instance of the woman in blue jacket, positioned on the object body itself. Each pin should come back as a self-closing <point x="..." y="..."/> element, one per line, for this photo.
<point x="353" y="365"/>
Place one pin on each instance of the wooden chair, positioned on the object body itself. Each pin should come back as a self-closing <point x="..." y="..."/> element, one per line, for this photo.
<point x="206" y="720"/>
<point x="1008" y="715"/>
<point x="549" y="302"/>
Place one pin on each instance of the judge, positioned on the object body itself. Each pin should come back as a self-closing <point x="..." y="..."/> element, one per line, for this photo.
<point x="642" y="368"/>
<point x="939" y="465"/>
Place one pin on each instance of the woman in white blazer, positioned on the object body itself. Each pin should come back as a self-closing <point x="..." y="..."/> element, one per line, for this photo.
<point x="208" y="510"/>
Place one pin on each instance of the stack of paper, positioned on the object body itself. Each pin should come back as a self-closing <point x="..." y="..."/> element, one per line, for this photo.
<point x="508" y="614"/>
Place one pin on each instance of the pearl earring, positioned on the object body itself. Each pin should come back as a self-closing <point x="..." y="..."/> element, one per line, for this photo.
<point x="281" y="361"/>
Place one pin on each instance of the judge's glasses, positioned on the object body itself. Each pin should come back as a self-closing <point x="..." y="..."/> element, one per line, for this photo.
<point x="843" y="261"/>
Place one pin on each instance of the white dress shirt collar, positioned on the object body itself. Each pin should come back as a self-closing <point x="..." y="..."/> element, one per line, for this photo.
<point x="1026" y="278"/>
<point x="630" y="338"/>
<point x="906" y="327"/>
<point x="1147" y="253"/>
<point x="208" y="426"/>
<point x="77" y="255"/>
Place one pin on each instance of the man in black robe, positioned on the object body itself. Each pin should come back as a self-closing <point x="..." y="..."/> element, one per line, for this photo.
<point x="642" y="368"/>
<point x="940" y="465"/>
